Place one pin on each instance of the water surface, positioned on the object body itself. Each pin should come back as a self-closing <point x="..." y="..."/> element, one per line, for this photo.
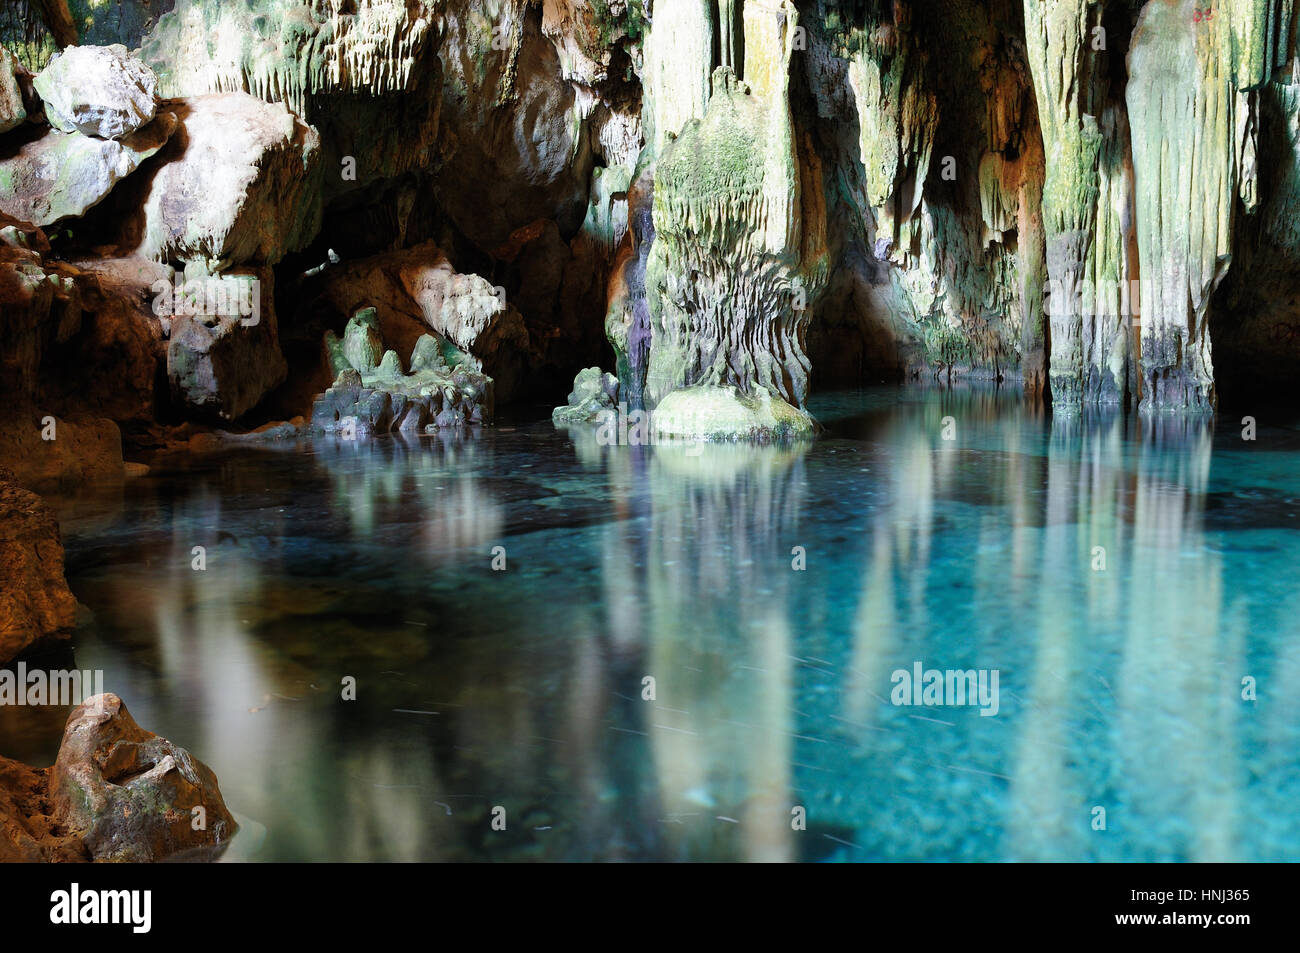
<point x="1120" y="688"/>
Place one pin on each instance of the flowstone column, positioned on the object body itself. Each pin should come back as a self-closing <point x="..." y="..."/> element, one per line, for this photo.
<point x="738" y="258"/>
<point x="1193" y="73"/>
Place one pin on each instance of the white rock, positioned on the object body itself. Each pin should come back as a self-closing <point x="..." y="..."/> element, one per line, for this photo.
<point x="98" y="91"/>
<point x="12" y="111"/>
<point x="245" y="188"/>
<point x="58" y="176"/>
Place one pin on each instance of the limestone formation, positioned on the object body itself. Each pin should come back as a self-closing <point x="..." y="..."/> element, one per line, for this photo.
<point x="56" y="176"/>
<point x="746" y="200"/>
<point x="13" y="111"/>
<point x="238" y="185"/>
<point x="35" y="603"/>
<point x="49" y="442"/>
<point x="97" y="91"/>
<point x="28" y="834"/>
<point x="225" y="357"/>
<point x="1193" y="111"/>
<point x="364" y="74"/>
<point x="739" y="254"/>
<point x="417" y="290"/>
<point x="593" y="398"/>
<point x="1084" y="193"/>
<point x="374" y="394"/>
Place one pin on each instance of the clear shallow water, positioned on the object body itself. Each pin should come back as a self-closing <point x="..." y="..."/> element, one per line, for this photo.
<point x="1119" y="689"/>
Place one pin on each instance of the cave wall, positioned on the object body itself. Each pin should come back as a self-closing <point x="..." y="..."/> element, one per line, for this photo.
<point x="1090" y="200"/>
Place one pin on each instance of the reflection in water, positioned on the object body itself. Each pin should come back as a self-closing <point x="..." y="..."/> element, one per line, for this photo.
<point x="1122" y="575"/>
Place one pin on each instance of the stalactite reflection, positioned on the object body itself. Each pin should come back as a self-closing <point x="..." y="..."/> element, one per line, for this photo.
<point x="693" y="651"/>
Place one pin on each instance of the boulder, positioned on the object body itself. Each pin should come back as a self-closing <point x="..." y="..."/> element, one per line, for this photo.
<point x="98" y="91"/>
<point x="594" y="395"/>
<point x="13" y="113"/>
<point x="55" y="176"/>
<point x="239" y="184"/>
<point x="223" y="360"/>
<point x="35" y="602"/>
<point x="77" y="453"/>
<point x="28" y="833"/>
<point x="132" y="796"/>
<point x="365" y="73"/>
<point x="724" y="413"/>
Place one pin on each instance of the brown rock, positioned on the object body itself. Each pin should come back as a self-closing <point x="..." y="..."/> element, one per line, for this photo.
<point x="35" y="602"/>
<point x="131" y="795"/>
<point x="28" y="834"/>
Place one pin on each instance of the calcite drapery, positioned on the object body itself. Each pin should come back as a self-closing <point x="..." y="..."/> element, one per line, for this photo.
<point x="739" y="253"/>
<point x="1192" y="106"/>
<point x="1084" y="193"/>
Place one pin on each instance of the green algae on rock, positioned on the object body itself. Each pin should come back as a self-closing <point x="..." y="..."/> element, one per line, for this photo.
<point x="722" y="413"/>
<point x="739" y="255"/>
<point x="373" y="394"/>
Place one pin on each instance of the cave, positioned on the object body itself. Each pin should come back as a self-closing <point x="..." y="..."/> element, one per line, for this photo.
<point x="649" y="430"/>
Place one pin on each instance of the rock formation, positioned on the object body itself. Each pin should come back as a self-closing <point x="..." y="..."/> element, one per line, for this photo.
<point x="86" y="170"/>
<point x="372" y="394"/>
<point x="131" y="795"/>
<point x="97" y="91"/>
<point x="35" y="604"/>
<point x="116" y="793"/>
<point x="1075" y="197"/>
<point x="417" y="290"/>
<point x="234" y="222"/>
<point x="593" y="399"/>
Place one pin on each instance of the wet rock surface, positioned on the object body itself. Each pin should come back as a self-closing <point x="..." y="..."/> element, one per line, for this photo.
<point x="131" y="795"/>
<point x="593" y="398"/>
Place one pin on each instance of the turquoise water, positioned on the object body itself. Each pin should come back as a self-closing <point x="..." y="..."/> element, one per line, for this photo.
<point x="1119" y="688"/>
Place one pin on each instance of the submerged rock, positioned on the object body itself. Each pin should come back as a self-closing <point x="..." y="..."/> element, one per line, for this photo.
<point x="131" y="795"/>
<point x="98" y="91"/>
